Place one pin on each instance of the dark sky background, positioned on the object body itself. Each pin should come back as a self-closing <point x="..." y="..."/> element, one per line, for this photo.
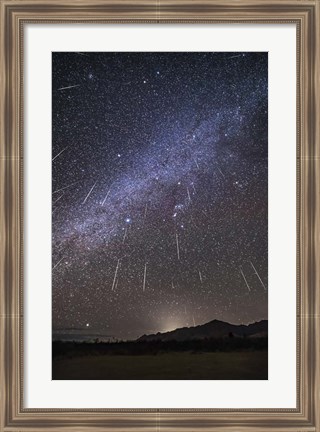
<point x="159" y="190"/>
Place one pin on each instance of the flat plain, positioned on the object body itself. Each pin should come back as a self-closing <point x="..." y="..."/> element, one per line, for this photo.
<point x="244" y="365"/>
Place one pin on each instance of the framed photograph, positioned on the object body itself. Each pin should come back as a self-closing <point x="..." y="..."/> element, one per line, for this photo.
<point x="145" y="234"/>
<point x="159" y="221"/>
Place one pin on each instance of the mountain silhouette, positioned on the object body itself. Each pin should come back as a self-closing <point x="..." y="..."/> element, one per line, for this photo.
<point x="213" y="329"/>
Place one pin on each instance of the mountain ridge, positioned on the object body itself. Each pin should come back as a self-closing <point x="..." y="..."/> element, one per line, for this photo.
<point x="211" y="329"/>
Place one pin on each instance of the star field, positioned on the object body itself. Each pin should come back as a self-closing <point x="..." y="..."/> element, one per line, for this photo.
<point x="159" y="190"/>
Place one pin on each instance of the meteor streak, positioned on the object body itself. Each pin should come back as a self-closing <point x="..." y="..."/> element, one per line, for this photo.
<point x="144" y="277"/>
<point x="244" y="278"/>
<point x="69" y="87"/>
<point x="84" y="201"/>
<point x="56" y="265"/>
<point x="235" y="56"/>
<point x="189" y="194"/>
<point x="55" y="157"/>
<point x="66" y="187"/>
<point x="106" y="197"/>
<point x="196" y="162"/>
<point x="178" y="250"/>
<point x="200" y="276"/>
<point x="264" y="287"/>
<point x="115" y="275"/>
<point x="58" y="199"/>
<point x="221" y="173"/>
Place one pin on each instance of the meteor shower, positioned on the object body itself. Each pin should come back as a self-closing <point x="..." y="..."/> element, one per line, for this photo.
<point x="160" y="215"/>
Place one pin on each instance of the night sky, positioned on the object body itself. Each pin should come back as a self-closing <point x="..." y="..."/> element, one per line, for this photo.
<point x="159" y="190"/>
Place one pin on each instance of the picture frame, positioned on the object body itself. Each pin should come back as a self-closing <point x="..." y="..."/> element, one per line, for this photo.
<point x="14" y="15"/>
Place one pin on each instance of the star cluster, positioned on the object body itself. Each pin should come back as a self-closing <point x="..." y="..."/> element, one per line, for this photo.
<point x="159" y="190"/>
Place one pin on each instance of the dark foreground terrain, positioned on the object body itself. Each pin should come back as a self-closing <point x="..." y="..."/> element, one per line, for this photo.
<point x="218" y="359"/>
